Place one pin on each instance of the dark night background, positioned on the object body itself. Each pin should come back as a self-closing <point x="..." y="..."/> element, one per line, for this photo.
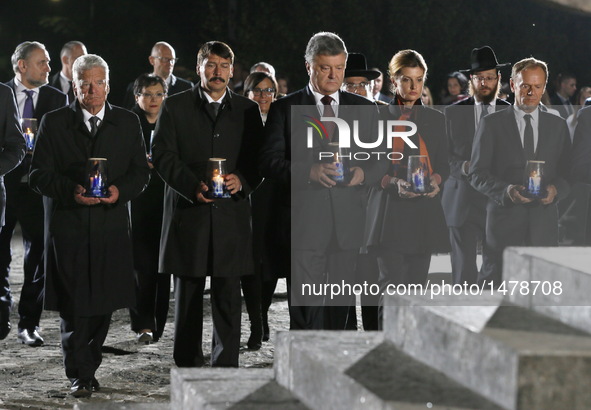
<point x="445" y="32"/>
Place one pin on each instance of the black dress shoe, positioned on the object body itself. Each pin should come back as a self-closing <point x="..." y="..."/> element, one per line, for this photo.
<point x="81" y="388"/>
<point x="254" y="341"/>
<point x="95" y="385"/>
<point x="4" y="322"/>
<point x="30" y="337"/>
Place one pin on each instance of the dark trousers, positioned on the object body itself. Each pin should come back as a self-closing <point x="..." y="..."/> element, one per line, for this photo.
<point x="464" y="243"/>
<point x="400" y="268"/>
<point x="315" y="268"/>
<point x="368" y="271"/>
<point x="252" y="291"/>
<point x="153" y="297"/>
<point x="225" y="310"/>
<point x="82" y="339"/>
<point x="519" y="225"/>
<point x="25" y="207"/>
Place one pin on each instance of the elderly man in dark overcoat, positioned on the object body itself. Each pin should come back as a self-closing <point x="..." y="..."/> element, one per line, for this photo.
<point x="89" y="266"/>
<point x="201" y="236"/>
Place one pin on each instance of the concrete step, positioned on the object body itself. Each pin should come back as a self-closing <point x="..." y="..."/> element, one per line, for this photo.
<point x="224" y="388"/>
<point x="355" y="370"/>
<point x="548" y="268"/>
<point x="511" y="355"/>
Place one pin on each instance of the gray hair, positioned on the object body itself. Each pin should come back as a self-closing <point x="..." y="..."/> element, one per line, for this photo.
<point x="324" y="43"/>
<point x="23" y="51"/>
<point x="69" y="47"/>
<point x="88" y="62"/>
<point x="265" y="67"/>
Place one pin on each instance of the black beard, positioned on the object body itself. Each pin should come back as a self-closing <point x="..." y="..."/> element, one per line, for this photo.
<point x="487" y="99"/>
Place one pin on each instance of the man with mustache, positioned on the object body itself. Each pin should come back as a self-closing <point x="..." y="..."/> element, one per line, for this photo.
<point x="464" y="207"/>
<point x="202" y="236"/>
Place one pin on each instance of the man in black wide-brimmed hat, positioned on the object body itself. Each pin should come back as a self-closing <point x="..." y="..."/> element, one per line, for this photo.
<point x="464" y="207"/>
<point x="357" y="77"/>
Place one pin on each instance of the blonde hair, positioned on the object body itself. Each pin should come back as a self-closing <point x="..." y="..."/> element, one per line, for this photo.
<point x="406" y="58"/>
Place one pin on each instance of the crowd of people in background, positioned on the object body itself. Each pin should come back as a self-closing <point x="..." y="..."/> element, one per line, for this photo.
<point x="280" y="212"/>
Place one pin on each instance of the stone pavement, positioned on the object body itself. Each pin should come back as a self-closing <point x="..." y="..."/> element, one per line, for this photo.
<point x="34" y="377"/>
<point x="130" y="374"/>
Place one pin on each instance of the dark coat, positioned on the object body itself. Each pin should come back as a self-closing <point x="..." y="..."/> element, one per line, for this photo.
<point x="459" y="197"/>
<point x="89" y="266"/>
<point x="412" y="225"/>
<point x="498" y="160"/>
<point x="146" y="211"/>
<point x="55" y="82"/>
<point x="318" y="212"/>
<point x="186" y="137"/>
<point x="581" y="166"/>
<point x="12" y="142"/>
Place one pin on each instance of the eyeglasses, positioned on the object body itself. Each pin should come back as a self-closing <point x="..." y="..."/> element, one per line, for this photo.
<point x="156" y="96"/>
<point x="485" y="79"/>
<point x="355" y="86"/>
<point x="166" y="59"/>
<point x="85" y="85"/>
<point x="263" y="91"/>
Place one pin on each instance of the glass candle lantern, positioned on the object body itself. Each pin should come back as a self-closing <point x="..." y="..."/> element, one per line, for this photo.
<point x="96" y="179"/>
<point x="216" y="172"/>
<point x="29" y="127"/>
<point x="534" y="179"/>
<point x="340" y="159"/>
<point x="418" y="175"/>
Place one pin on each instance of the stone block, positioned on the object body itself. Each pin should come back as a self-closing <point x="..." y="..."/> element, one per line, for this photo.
<point x="559" y="282"/>
<point x="224" y="388"/>
<point x="338" y="370"/>
<point x="506" y="353"/>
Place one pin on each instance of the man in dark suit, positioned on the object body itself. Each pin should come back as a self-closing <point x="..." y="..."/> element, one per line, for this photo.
<point x="30" y="62"/>
<point x="63" y="80"/>
<point x="89" y="262"/>
<point x="328" y="221"/>
<point x="163" y="59"/>
<point x="464" y="207"/>
<point x="202" y="236"/>
<point x="11" y="154"/>
<point x="504" y="143"/>
<point x="561" y="99"/>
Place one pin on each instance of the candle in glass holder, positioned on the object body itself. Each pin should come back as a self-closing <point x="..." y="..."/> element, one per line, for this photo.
<point x="216" y="171"/>
<point x="341" y="160"/>
<point x="29" y="127"/>
<point x="418" y="174"/>
<point x="534" y="179"/>
<point x="96" y="181"/>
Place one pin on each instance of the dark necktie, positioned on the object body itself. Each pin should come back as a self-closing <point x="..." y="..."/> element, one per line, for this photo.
<point x="29" y="110"/>
<point x="70" y="93"/>
<point x="484" y="110"/>
<point x="214" y="109"/>
<point x="93" y="125"/>
<point x="528" y="138"/>
<point x="329" y="112"/>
